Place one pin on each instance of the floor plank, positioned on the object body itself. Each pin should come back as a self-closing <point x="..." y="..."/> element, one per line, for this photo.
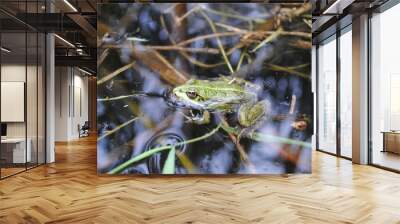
<point x="70" y="191"/>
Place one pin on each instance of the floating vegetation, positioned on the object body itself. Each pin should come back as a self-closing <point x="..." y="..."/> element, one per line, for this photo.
<point x="204" y="88"/>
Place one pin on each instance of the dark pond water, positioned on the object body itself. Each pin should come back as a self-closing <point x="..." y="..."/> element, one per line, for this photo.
<point x="172" y="43"/>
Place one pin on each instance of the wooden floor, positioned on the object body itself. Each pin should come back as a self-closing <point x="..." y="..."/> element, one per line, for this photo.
<point x="387" y="159"/>
<point x="70" y="191"/>
<point x="10" y="171"/>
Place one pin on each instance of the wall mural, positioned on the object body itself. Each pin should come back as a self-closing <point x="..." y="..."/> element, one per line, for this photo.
<point x="204" y="88"/>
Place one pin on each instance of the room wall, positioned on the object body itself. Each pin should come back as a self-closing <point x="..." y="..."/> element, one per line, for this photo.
<point x="16" y="73"/>
<point x="71" y="102"/>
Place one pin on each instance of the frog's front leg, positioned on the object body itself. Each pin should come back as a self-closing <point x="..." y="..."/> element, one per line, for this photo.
<point x="200" y="117"/>
<point x="252" y="115"/>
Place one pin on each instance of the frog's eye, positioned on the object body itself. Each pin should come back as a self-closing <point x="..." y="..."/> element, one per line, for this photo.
<point x="191" y="94"/>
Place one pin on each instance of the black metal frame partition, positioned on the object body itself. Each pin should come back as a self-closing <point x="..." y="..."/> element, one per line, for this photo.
<point x="30" y="29"/>
<point x="339" y="32"/>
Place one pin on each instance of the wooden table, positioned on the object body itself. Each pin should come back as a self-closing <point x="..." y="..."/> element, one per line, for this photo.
<point x="391" y="141"/>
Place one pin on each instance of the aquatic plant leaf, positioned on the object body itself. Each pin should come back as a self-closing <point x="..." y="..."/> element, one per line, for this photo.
<point x="169" y="166"/>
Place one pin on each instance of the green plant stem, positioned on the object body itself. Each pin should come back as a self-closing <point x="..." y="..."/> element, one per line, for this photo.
<point x="271" y="138"/>
<point x="118" y="97"/>
<point x="218" y="41"/>
<point x="240" y="61"/>
<point x="149" y="153"/>
<point x="270" y="38"/>
<point x="117" y="128"/>
<point x="288" y="70"/>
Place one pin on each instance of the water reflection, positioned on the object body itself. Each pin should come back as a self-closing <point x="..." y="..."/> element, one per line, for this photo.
<point x="151" y="49"/>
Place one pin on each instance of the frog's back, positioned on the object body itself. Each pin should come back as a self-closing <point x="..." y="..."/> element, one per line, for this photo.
<point x="218" y="88"/>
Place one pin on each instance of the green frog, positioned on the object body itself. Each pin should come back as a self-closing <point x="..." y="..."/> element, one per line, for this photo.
<point x="222" y="95"/>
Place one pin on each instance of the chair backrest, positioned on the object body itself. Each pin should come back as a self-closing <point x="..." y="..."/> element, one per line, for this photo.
<point x="86" y="125"/>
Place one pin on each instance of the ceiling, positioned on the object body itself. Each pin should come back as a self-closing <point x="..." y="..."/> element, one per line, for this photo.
<point x="332" y="15"/>
<point x="74" y="22"/>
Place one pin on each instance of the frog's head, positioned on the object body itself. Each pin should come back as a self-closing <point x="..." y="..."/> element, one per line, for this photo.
<point x="188" y="95"/>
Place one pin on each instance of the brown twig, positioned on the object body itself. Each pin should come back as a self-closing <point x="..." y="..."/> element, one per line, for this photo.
<point x="192" y="50"/>
<point x="170" y="47"/>
<point x="289" y="14"/>
<point x="156" y="62"/>
<point x="301" y="44"/>
<point x="239" y="147"/>
<point x="184" y="54"/>
<point x="115" y="73"/>
<point x="103" y="56"/>
<point x="208" y="36"/>
<point x="292" y="104"/>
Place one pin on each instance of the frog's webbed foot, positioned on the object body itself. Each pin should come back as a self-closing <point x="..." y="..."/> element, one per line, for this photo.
<point x="252" y="116"/>
<point x="197" y="117"/>
<point x="200" y="117"/>
<point x="245" y="132"/>
<point x="188" y="119"/>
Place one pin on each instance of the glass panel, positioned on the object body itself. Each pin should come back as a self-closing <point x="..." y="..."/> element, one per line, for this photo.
<point x="23" y="87"/>
<point x="346" y="94"/>
<point x="32" y="87"/>
<point x="13" y="87"/>
<point x="327" y="97"/>
<point x="31" y="99"/>
<point x="385" y="84"/>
